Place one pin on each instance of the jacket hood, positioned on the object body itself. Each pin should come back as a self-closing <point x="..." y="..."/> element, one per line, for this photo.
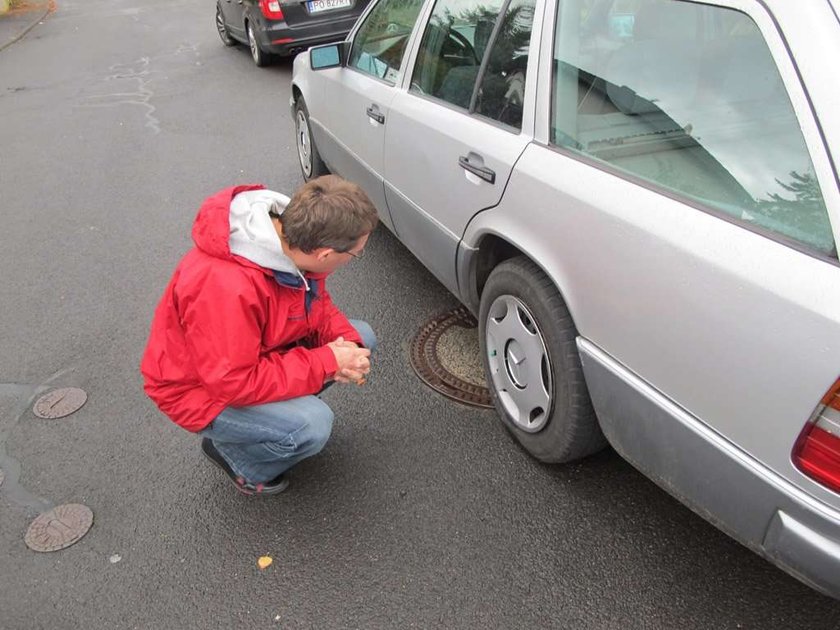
<point x="235" y="222"/>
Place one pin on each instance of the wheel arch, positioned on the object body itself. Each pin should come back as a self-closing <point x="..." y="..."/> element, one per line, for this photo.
<point x="297" y="94"/>
<point x="491" y="248"/>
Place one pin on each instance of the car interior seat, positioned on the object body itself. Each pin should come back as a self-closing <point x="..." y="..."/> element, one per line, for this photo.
<point x="457" y="86"/>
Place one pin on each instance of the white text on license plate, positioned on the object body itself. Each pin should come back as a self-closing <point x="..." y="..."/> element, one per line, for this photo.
<point x="316" y="6"/>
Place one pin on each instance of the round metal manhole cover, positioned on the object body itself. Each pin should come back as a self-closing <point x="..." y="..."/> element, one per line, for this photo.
<point x="446" y="356"/>
<point x="59" y="528"/>
<point x="59" y="403"/>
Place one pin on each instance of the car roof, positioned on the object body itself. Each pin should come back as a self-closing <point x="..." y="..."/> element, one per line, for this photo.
<point x="835" y="4"/>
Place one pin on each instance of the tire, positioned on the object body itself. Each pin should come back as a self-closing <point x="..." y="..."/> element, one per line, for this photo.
<point x="311" y="164"/>
<point x="530" y="357"/>
<point x="222" y="28"/>
<point x="260" y="57"/>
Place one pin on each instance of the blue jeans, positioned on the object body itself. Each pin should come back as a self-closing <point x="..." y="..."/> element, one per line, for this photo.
<point x="264" y="441"/>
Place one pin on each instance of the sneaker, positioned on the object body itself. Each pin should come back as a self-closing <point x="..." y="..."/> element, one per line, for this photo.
<point x="275" y="486"/>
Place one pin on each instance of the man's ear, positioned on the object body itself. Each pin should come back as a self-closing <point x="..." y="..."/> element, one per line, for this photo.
<point x="323" y="253"/>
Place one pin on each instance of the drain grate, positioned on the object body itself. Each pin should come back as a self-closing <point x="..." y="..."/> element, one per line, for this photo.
<point x="445" y="356"/>
<point x="60" y="403"/>
<point x="59" y="528"/>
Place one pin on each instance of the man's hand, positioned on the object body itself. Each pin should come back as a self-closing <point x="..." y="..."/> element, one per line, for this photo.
<point x="353" y="361"/>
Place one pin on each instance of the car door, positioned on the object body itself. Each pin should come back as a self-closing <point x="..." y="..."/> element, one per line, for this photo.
<point x="453" y="135"/>
<point x="233" y="11"/>
<point x="357" y="97"/>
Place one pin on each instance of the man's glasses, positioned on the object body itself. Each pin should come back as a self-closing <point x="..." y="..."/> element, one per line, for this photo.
<point x="359" y="254"/>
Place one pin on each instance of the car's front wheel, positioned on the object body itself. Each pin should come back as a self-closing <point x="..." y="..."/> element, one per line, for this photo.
<point x="222" y="28"/>
<point x="260" y="57"/>
<point x="311" y="164"/>
<point x="530" y="357"/>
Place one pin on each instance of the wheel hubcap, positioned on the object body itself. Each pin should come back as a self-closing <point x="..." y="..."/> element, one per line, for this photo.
<point x="304" y="150"/>
<point x="220" y="25"/>
<point x="519" y="363"/>
<point x="252" y="43"/>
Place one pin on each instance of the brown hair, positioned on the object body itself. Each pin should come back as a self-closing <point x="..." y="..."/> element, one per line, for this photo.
<point x="328" y="212"/>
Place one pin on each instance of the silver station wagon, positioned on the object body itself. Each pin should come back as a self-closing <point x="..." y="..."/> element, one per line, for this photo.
<point x="639" y="201"/>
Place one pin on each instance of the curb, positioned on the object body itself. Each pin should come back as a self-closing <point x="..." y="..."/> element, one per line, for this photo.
<point x="33" y="24"/>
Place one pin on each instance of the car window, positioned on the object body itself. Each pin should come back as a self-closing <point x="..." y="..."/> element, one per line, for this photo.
<point x="686" y="96"/>
<point x="379" y="44"/>
<point x="452" y="47"/>
<point x="502" y="89"/>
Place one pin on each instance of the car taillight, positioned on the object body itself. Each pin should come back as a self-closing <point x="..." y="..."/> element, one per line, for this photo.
<point x="271" y="9"/>
<point x="817" y="451"/>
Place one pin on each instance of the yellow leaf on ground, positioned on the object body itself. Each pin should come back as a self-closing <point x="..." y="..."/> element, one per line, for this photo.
<point x="264" y="562"/>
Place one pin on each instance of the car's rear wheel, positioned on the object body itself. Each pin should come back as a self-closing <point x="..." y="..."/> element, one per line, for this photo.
<point x="530" y="357"/>
<point x="260" y="57"/>
<point x="224" y="34"/>
<point x="311" y="164"/>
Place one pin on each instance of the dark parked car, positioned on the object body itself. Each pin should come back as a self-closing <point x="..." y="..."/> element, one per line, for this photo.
<point x="274" y="28"/>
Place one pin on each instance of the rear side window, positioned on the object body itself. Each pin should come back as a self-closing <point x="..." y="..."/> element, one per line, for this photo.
<point x="502" y="90"/>
<point x="686" y="96"/>
<point x="380" y="42"/>
<point x="465" y="43"/>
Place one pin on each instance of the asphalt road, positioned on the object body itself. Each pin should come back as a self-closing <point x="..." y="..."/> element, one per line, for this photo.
<point x="116" y="119"/>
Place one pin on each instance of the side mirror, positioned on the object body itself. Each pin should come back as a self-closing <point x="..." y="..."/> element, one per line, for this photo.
<point x="329" y="56"/>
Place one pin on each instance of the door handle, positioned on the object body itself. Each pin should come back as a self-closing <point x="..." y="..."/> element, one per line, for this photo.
<point x="374" y="113"/>
<point x="487" y="174"/>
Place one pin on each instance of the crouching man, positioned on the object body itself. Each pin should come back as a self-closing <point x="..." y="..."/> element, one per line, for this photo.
<point x="246" y="334"/>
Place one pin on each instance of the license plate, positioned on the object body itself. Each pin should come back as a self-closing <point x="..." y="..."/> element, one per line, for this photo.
<point x="316" y="6"/>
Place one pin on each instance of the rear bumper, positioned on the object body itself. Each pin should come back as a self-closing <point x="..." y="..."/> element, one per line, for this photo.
<point x="279" y="38"/>
<point x="717" y="480"/>
<point x="804" y="552"/>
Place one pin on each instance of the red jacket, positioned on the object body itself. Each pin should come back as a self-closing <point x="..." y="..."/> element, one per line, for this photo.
<point x="224" y="333"/>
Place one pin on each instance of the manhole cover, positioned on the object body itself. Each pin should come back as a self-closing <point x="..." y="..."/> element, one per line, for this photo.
<point x="60" y="402"/>
<point x="445" y="355"/>
<point x="59" y="528"/>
